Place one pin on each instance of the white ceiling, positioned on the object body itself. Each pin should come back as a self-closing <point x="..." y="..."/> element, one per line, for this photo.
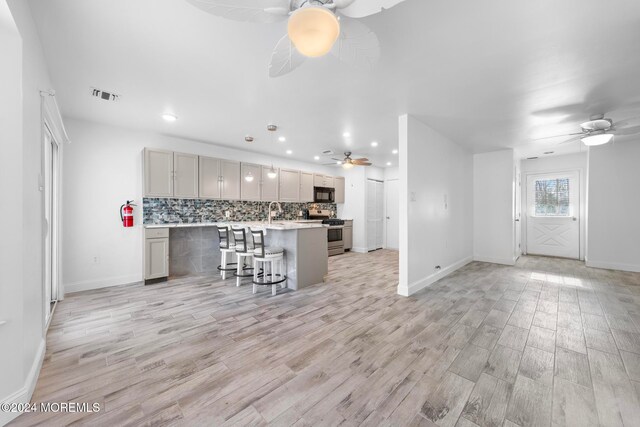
<point x="490" y="74"/>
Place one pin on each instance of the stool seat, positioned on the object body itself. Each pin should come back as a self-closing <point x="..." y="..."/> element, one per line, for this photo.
<point x="274" y="250"/>
<point x="231" y="247"/>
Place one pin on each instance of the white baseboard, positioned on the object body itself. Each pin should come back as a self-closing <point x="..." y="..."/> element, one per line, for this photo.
<point x="360" y="250"/>
<point x="613" y="266"/>
<point x="431" y="279"/>
<point x="492" y="260"/>
<point x="87" y="285"/>
<point x="23" y="395"/>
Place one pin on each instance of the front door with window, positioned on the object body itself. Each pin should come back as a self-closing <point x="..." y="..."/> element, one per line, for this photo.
<point x="553" y="208"/>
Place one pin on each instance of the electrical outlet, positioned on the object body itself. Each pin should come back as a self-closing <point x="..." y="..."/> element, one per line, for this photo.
<point x="413" y="196"/>
<point x="227" y="214"/>
<point x="96" y="260"/>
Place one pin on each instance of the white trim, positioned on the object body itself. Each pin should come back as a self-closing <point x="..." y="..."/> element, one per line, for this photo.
<point x="87" y="285"/>
<point x="613" y="266"/>
<point x="23" y="395"/>
<point x="431" y="279"/>
<point x="492" y="260"/>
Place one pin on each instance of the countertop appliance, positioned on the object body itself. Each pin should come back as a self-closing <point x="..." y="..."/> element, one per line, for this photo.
<point x="334" y="232"/>
<point x="324" y="195"/>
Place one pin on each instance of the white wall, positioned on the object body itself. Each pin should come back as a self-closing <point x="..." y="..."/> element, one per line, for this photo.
<point x="11" y="278"/>
<point x="432" y="232"/>
<point x="25" y="72"/>
<point x="102" y="169"/>
<point x="613" y="230"/>
<point x="493" y="206"/>
<point x="564" y="163"/>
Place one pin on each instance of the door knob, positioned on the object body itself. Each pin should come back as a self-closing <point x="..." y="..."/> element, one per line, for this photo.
<point x="388" y="217"/>
<point x="575" y="219"/>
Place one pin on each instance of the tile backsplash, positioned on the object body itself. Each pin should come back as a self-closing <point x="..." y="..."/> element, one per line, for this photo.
<point x="172" y="211"/>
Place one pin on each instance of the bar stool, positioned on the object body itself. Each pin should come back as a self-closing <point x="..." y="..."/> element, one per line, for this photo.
<point x="272" y="257"/>
<point x="227" y="249"/>
<point x="244" y="253"/>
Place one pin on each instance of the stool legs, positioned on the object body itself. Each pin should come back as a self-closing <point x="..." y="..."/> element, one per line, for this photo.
<point x="223" y="264"/>
<point x="239" y="270"/>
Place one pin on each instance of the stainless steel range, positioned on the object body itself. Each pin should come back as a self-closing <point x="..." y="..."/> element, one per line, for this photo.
<point x="334" y="231"/>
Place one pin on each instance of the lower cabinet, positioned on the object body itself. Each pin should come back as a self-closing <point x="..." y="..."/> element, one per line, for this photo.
<point x="347" y="235"/>
<point x="156" y="253"/>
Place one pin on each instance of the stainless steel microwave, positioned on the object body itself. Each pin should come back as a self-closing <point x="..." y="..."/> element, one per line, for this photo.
<point x="324" y="195"/>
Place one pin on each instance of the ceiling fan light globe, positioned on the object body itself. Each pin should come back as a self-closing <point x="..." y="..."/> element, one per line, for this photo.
<point x="313" y="30"/>
<point x="347" y="165"/>
<point x="600" y="139"/>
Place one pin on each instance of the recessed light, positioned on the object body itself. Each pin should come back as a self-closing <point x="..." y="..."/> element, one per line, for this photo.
<point x="374" y="144"/>
<point x="289" y="152"/>
<point x="338" y="162"/>
<point x="282" y="139"/>
<point x="395" y="151"/>
<point x="316" y="158"/>
<point x="168" y="117"/>
<point x="388" y="163"/>
<point x="249" y="139"/>
<point x="346" y="135"/>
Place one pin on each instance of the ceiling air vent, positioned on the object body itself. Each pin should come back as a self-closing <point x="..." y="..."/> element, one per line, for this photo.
<point x="328" y="152"/>
<point x="531" y="158"/>
<point x="101" y="94"/>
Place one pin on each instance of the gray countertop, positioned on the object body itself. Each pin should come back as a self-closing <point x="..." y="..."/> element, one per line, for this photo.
<point x="276" y="225"/>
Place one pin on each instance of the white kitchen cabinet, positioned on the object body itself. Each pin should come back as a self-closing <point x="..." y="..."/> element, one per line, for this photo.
<point x="158" y="173"/>
<point x="322" y="181"/>
<point x="340" y="187"/>
<point x="209" y="178"/>
<point x="289" y="185"/>
<point x="306" y="187"/>
<point x="347" y="235"/>
<point x="250" y="190"/>
<point x="156" y="253"/>
<point x="185" y="176"/>
<point x="269" y="190"/>
<point x="230" y="180"/>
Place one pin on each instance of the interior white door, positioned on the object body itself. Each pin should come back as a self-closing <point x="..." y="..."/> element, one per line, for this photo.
<point x="393" y="213"/>
<point x="553" y="209"/>
<point x="517" y="246"/>
<point x="375" y="213"/>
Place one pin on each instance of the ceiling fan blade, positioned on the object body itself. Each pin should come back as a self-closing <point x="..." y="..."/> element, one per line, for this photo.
<point x="260" y="11"/>
<point x="362" y="8"/>
<point x="357" y="45"/>
<point x="285" y="58"/>
<point x="558" y="136"/>
<point x="363" y="159"/>
<point x="627" y="131"/>
<point x="574" y="139"/>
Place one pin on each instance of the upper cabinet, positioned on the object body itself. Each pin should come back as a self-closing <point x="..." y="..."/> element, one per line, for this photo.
<point x="289" y="185"/>
<point x="158" y="173"/>
<point x="323" y="181"/>
<point x="185" y="176"/>
<point x="339" y="186"/>
<point x="269" y="190"/>
<point x="209" y="172"/>
<point x="250" y="177"/>
<point x="230" y="179"/>
<point x="306" y="187"/>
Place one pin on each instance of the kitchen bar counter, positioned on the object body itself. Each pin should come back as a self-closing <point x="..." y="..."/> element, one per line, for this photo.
<point x="194" y="248"/>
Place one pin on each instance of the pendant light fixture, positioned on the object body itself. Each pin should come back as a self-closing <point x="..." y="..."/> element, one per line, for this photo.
<point x="272" y="173"/>
<point x="600" y="138"/>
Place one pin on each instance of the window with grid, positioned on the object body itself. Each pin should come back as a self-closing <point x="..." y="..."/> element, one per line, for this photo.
<point x="552" y="197"/>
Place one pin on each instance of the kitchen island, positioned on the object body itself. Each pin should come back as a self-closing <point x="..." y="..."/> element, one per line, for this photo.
<point x="193" y="248"/>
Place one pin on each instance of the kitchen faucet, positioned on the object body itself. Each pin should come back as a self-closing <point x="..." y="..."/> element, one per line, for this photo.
<point x="279" y="209"/>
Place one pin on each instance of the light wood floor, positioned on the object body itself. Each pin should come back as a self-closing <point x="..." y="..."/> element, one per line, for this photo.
<point x="547" y="341"/>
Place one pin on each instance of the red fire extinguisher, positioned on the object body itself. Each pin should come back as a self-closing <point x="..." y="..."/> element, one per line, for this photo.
<point x="126" y="214"/>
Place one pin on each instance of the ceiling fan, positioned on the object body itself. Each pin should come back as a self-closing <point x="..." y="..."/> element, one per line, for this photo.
<point x="315" y="28"/>
<point x="598" y="131"/>
<point x="348" y="162"/>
